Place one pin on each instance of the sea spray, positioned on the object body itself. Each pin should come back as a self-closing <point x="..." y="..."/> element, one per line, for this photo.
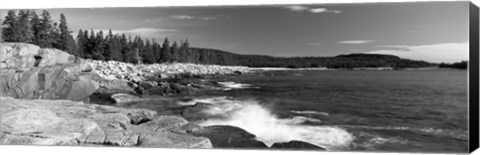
<point x="260" y="121"/>
<point x="229" y="85"/>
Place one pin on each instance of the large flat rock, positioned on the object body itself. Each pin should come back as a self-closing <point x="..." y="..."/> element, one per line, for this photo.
<point x="64" y="122"/>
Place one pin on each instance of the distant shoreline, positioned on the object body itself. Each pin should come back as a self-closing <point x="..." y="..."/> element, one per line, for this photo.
<point x="326" y="69"/>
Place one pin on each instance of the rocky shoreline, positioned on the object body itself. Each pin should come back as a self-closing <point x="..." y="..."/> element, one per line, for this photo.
<point x="49" y="97"/>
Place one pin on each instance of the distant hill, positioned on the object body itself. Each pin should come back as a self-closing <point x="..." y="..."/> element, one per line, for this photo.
<point x="213" y="56"/>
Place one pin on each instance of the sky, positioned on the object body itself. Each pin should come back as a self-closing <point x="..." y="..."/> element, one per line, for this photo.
<point x="430" y="31"/>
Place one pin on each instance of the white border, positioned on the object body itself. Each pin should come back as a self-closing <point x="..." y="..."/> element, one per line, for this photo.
<point x="52" y="150"/>
<point x="32" y="4"/>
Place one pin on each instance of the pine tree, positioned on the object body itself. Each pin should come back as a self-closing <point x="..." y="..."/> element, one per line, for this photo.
<point x="165" y="55"/>
<point x="174" y="52"/>
<point x="1" y="32"/>
<point x="55" y="36"/>
<point x="108" y="54"/>
<point x="65" y="39"/>
<point x="117" y="48"/>
<point x="138" y="46"/>
<point x="8" y="25"/>
<point x="129" y="51"/>
<point x="35" y="22"/>
<point x="155" y="51"/>
<point x="46" y="30"/>
<point x="23" y="28"/>
<point x="185" y="52"/>
<point x="186" y="44"/>
<point x="124" y="47"/>
<point x="113" y="47"/>
<point x="89" y="44"/>
<point x="180" y="53"/>
<point x="147" y="54"/>
<point x="81" y="43"/>
<point x="99" y="47"/>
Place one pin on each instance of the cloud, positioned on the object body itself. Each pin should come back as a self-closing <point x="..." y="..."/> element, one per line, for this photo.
<point x="355" y="41"/>
<point x="318" y="10"/>
<point x="322" y="10"/>
<point x="298" y="8"/>
<point x="188" y="17"/>
<point x="207" y="18"/>
<point x="182" y="17"/>
<point x="314" y="44"/>
<point x="442" y="52"/>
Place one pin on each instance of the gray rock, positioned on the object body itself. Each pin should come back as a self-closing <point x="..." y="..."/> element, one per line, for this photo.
<point x="138" y="116"/>
<point x="181" y="89"/>
<point x="173" y="140"/>
<point x="166" y="123"/>
<point x="51" y="82"/>
<point x="147" y="84"/>
<point x="63" y="122"/>
<point x="31" y="72"/>
<point x="23" y="55"/>
<point x="191" y="128"/>
<point x="17" y="55"/>
<point x="296" y="145"/>
<point x="165" y="76"/>
<point x="122" y="98"/>
<point x="229" y="137"/>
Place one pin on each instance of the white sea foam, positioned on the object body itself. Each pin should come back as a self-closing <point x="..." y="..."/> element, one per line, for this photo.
<point x="308" y="112"/>
<point x="373" y="140"/>
<point x="459" y="134"/>
<point x="300" y="120"/>
<point x="258" y="120"/>
<point x="211" y="100"/>
<point x="228" y="85"/>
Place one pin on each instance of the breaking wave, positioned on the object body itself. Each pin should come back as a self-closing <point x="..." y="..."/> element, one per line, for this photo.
<point x="228" y="85"/>
<point x="251" y="116"/>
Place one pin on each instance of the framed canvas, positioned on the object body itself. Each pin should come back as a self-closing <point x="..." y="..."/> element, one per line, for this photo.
<point x="389" y="77"/>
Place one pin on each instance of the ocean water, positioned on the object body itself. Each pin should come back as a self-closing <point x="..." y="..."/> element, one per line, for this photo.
<point x="345" y="110"/>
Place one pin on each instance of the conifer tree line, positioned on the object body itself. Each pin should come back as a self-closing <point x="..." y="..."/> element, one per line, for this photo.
<point x="119" y="47"/>
<point x="29" y="27"/>
<point x="26" y="26"/>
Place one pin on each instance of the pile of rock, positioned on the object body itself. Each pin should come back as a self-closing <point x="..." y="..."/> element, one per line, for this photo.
<point x="128" y="71"/>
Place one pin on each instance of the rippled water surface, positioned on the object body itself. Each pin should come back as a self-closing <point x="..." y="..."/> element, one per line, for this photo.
<point x="411" y="110"/>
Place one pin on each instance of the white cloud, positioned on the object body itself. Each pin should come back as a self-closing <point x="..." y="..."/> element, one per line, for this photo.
<point x="298" y="8"/>
<point x="318" y="10"/>
<point x="443" y="52"/>
<point x="323" y="10"/>
<point x="355" y="41"/>
<point x="182" y="17"/>
<point x="188" y="17"/>
<point x="207" y="18"/>
<point x="314" y="44"/>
